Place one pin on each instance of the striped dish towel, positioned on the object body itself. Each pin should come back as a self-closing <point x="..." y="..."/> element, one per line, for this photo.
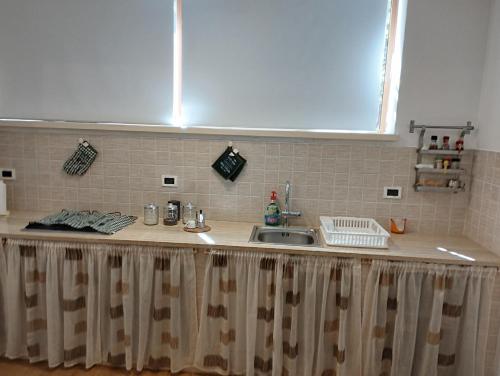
<point x="105" y="223"/>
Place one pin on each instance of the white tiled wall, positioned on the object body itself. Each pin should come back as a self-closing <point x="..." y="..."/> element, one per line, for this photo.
<point x="483" y="215"/>
<point x="328" y="177"/>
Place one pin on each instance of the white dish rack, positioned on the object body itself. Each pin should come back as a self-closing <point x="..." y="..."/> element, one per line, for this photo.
<point x="353" y="232"/>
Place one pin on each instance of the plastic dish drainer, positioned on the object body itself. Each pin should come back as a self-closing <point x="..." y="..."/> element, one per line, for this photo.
<point x="353" y="232"/>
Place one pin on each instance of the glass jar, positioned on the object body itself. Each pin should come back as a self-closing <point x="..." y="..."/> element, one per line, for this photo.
<point x="189" y="218"/>
<point x="170" y="214"/>
<point x="434" y="143"/>
<point x="151" y="214"/>
<point x="446" y="143"/>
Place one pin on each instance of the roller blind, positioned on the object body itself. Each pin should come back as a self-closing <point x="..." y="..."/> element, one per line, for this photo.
<point x="294" y="64"/>
<point x="86" y="60"/>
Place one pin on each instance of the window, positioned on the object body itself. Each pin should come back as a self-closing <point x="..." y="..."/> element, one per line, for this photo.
<point x="86" y="60"/>
<point x="299" y="65"/>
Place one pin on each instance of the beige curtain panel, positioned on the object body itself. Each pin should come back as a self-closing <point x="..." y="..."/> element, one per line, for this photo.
<point x="3" y="279"/>
<point x="280" y="315"/>
<point x="87" y="304"/>
<point x="426" y="320"/>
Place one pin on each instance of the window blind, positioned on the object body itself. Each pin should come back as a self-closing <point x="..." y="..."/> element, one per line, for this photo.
<point x="86" y="60"/>
<point x="293" y="64"/>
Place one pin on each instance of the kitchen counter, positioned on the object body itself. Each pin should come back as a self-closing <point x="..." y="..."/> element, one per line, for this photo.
<point x="234" y="235"/>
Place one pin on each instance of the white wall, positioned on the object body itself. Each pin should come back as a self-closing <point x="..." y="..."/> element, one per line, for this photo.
<point x="489" y="113"/>
<point x="443" y="60"/>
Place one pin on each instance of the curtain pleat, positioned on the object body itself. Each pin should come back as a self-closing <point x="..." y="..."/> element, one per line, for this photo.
<point x="280" y="315"/>
<point x="426" y="320"/>
<point x="89" y="304"/>
<point x="3" y="275"/>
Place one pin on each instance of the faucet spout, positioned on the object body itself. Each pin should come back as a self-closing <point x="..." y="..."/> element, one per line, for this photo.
<point x="287" y="212"/>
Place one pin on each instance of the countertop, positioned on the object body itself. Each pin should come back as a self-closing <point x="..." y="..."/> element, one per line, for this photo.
<point x="234" y="235"/>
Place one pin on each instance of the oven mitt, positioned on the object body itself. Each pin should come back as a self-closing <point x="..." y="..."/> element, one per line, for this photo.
<point x="81" y="160"/>
<point x="229" y="164"/>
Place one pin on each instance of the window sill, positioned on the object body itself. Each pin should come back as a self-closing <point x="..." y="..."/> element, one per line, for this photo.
<point x="221" y="131"/>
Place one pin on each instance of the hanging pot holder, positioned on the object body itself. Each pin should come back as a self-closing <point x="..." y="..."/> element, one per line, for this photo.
<point x="81" y="160"/>
<point x="241" y="163"/>
<point x="229" y="164"/>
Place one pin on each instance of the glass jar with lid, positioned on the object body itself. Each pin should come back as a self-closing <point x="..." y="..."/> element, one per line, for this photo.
<point x="151" y="214"/>
<point x="170" y="214"/>
<point x="189" y="218"/>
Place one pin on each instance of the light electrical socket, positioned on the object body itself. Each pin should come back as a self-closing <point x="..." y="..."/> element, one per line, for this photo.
<point x="7" y="173"/>
<point x="169" y="181"/>
<point x="393" y="193"/>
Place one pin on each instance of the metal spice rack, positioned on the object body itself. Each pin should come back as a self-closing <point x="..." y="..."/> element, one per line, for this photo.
<point x="445" y="173"/>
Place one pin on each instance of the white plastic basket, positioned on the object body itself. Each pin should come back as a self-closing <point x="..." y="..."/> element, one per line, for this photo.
<point x="353" y="232"/>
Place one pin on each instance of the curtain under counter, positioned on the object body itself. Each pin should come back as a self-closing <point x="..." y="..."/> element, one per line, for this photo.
<point x="280" y="315"/>
<point x="70" y="303"/>
<point x="136" y="307"/>
<point x="426" y="320"/>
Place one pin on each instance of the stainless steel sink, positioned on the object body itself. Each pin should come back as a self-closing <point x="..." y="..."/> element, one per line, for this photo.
<point x="300" y="236"/>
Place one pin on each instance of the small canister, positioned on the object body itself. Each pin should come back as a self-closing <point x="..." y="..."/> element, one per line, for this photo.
<point x="178" y="205"/>
<point x="455" y="163"/>
<point x="170" y="214"/>
<point x="151" y="214"/>
<point x="438" y="164"/>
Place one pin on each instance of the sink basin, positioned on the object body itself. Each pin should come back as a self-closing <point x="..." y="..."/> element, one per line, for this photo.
<point x="300" y="236"/>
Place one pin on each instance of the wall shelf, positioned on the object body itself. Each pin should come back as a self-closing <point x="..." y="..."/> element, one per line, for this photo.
<point x="442" y="174"/>
<point x="426" y="188"/>
<point x="440" y="171"/>
<point x="440" y="152"/>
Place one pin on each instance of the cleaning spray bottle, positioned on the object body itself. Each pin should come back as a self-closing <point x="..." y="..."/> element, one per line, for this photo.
<point x="272" y="215"/>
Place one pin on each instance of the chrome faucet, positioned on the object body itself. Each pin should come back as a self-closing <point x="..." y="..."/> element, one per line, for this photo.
<point x="285" y="214"/>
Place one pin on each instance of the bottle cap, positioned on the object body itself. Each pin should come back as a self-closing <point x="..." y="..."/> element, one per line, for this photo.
<point x="274" y="196"/>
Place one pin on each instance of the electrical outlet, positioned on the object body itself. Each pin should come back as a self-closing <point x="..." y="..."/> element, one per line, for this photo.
<point x="169" y="181"/>
<point x="7" y="173"/>
<point x="393" y="192"/>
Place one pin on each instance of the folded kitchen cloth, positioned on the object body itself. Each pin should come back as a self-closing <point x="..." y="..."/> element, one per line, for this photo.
<point x="69" y="220"/>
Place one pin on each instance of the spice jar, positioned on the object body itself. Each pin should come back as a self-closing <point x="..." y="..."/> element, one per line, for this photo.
<point x="170" y="214"/>
<point x="459" y="145"/>
<point x="446" y="143"/>
<point x="446" y="163"/>
<point x="434" y="143"/>
<point x="151" y="214"/>
<point x="438" y="164"/>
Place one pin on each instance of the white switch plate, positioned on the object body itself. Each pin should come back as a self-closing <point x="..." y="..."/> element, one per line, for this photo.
<point x="7" y="173"/>
<point x="169" y="181"/>
<point x="393" y="193"/>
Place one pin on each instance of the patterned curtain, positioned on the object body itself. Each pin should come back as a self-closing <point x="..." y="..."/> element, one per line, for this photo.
<point x="426" y="320"/>
<point x="89" y="304"/>
<point x="280" y="315"/>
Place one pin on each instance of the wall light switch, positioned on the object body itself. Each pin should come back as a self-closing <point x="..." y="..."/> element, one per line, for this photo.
<point x="393" y="192"/>
<point x="169" y="181"/>
<point x="7" y="173"/>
